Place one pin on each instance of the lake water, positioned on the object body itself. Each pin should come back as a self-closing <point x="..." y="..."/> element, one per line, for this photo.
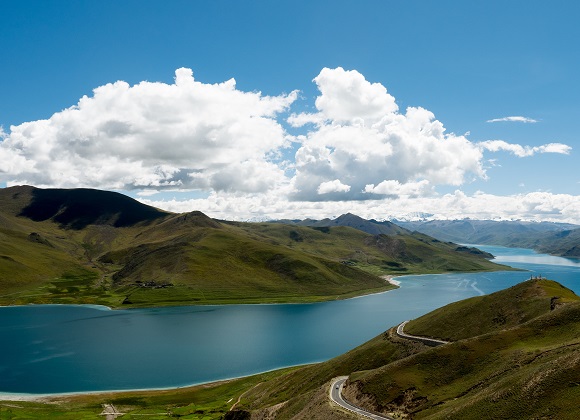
<point x="69" y="348"/>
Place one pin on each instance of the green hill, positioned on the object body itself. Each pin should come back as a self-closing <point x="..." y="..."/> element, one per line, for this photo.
<point x="351" y="220"/>
<point x="90" y="246"/>
<point x="484" y="314"/>
<point x="528" y="371"/>
<point x="526" y="366"/>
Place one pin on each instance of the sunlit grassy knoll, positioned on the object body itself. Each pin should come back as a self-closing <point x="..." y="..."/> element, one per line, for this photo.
<point x="525" y="370"/>
<point x="500" y="310"/>
<point x="506" y="366"/>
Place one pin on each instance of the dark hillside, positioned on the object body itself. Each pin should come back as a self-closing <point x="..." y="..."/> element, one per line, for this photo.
<point x="551" y="238"/>
<point x="565" y="243"/>
<point x="124" y="252"/>
<point x="78" y="208"/>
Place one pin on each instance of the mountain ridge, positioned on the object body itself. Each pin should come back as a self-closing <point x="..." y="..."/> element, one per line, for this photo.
<point x="351" y="220"/>
<point x="92" y="246"/>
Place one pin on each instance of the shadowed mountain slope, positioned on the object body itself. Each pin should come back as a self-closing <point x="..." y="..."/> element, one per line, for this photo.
<point x="78" y="208"/>
<point x="565" y="243"/>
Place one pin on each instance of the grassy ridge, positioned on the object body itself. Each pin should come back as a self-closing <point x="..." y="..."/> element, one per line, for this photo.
<point x="86" y="246"/>
<point x="484" y="314"/>
<point x="525" y="368"/>
<point x="522" y="372"/>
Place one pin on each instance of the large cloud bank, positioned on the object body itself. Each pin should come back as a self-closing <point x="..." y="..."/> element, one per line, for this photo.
<point x="357" y="149"/>
<point x="537" y="206"/>
<point x="362" y="142"/>
<point x="187" y="135"/>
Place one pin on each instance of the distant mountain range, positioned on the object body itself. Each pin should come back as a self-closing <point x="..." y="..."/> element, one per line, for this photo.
<point x="552" y="238"/>
<point x="91" y="246"/>
<point x="350" y="220"/>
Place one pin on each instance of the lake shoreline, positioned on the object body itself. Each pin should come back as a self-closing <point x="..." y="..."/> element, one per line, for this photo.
<point x="330" y="298"/>
<point x="59" y="396"/>
<point x="425" y="292"/>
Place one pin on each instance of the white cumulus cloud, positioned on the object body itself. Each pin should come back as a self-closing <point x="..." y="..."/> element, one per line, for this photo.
<point x="153" y="135"/>
<point x="513" y="119"/>
<point x="361" y="138"/>
<point x="395" y="188"/>
<point x="332" y="186"/>
<point x="524" y="151"/>
<point x="360" y="151"/>
<point x="456" y="205"/>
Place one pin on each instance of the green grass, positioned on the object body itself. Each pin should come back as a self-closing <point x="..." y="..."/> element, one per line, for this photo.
<point x="483" y="314"/>
<point x="205" y="402"/>
<point x="525" y="368"/>
<point x="204" y="261"/>
<point x="467" y="379"/>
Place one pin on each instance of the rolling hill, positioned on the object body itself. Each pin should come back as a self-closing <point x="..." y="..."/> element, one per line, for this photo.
<point x="351" y="220"/>
<point x="524" y="362"/>
<point x="91" y="246"/>
<point x="515" y="354"/>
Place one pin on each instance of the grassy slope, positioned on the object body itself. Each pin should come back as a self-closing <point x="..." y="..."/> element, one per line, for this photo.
<point x="75" y="260"/>
<point x="525" y="368"/>
<point x="381" y="254"/>
<point x="221" y="265"/>
<point x="59" y="258"/>
<point x="500" y="310"/>
<point x="205" y="402"/>
<point x="205" y="265"/>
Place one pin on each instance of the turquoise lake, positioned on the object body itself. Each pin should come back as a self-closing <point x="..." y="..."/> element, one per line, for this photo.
<point x="74" y="348"/>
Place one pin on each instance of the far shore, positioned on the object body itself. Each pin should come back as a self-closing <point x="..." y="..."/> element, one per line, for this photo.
<point x="329" y="298"/>
<point x="390" y="278"/>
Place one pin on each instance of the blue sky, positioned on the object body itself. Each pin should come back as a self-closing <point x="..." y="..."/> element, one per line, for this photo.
<point x="466" y="63"/>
